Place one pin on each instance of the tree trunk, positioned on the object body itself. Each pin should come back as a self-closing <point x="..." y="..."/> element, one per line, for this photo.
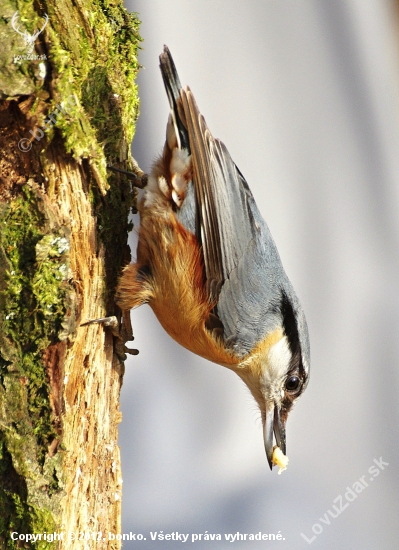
<point x="68" y="107"/>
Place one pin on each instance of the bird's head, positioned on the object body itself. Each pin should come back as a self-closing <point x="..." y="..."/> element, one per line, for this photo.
<point x="277" y="373"/>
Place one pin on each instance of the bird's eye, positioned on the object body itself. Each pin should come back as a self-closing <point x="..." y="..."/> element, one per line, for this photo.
<point x="293" y="384"/>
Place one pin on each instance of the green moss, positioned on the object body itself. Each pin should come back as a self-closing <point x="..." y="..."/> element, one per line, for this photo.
<point x="34" y="285"/>
<point x="94" y="63"/>
<point x="95" y="103"/>
<point x="15" y="513"/>
<point x="34" y="302"/>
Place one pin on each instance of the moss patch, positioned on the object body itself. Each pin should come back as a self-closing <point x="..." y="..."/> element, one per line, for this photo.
<point x="33" y="281"/>
<point x="33" y="301"/>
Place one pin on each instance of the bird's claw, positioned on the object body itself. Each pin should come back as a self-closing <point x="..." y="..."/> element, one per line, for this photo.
<point x="123" y="333"/>
<point x="137" y="180"/>
<point x="111" y="322"/>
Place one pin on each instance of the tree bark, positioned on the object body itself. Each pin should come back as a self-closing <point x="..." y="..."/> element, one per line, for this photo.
<point x="67" y="109"/>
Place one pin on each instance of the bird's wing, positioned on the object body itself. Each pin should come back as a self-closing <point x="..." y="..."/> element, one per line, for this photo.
<point x="243" y="268"/>
<point x="244" y="274"/>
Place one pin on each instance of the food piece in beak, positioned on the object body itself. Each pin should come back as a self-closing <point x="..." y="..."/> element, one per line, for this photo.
<point x="279" y="459"/>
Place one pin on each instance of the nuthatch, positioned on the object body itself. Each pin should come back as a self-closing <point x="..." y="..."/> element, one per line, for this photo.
<point x="209" y="268"/>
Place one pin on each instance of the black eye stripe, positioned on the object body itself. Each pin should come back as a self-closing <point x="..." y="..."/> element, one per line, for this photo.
<point x="290" y="324"/>
<point x="291" y="331"/>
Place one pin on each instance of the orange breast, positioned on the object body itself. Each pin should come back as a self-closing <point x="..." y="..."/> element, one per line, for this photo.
<point x="179" y="298"/>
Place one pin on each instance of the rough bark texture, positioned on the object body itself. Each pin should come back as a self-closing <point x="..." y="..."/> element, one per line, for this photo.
<point x="66" y="110"/>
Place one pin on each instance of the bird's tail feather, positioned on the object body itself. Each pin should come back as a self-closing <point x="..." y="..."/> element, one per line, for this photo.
<point x="173" y="87"/>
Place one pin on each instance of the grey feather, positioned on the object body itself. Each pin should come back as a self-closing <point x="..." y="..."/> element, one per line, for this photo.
<point x="243" y="269"/>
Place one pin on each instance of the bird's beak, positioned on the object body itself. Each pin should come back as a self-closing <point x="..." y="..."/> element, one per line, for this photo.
<point x="273" y="424"/>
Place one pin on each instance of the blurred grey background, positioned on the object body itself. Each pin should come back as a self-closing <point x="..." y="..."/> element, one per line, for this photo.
<point x="305" y="95"/>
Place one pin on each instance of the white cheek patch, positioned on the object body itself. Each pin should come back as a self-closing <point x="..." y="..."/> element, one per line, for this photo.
<point x="279" y="358"/>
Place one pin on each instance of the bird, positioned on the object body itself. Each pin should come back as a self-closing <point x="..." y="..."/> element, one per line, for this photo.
<point x="209" y="268"/>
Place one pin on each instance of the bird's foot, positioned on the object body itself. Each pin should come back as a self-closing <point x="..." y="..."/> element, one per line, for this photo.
<point x="138" y="180"/>
<point x="122" y="331"/>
